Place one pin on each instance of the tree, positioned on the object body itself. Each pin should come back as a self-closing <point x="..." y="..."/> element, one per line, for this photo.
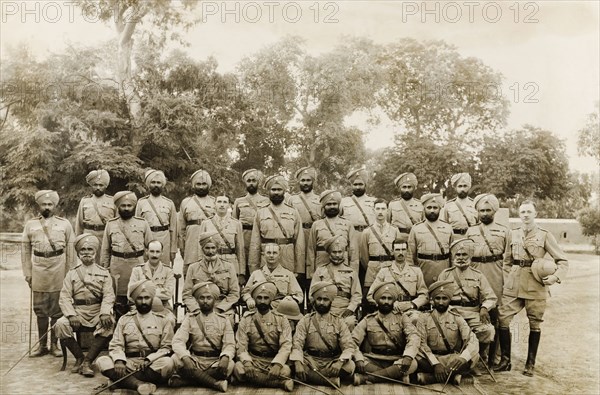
<point x="589" y="218"/>
<point x="588" y="143"/>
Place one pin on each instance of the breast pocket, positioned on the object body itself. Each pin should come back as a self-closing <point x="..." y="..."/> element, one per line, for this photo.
<point x="222" y="280"/>
<point x="117" y="240"/>
<point x="267" y="224"/>
<point x="88" y="211"/>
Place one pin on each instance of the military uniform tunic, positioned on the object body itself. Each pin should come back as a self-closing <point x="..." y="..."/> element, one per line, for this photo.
<point x="162" y="277"/>
<point x="411" y="278"/>
<point x="451" y="214"/>
<point x="284" y="280"/>
<point x="193" y="210"/>
<point x="402" y="218"/>
<point x="307" y="217"/>
<point x="424" y="250"/>
<point x="345" y="279"/>
<point x="291" y="240"/>
<point x="351" y="212"/>
<point x="491" y="262"/>
<point x="87" y="299"/>
<point x="223" y="274"/>
<point x="45" y="265"/>
<point x="123" y="247"/>
<point x="92" y="215"/>
<point x="321" y="231"/>
<point x="163" y="225"/>
<point x="233" y="252"/>
<point x="244" y="210"/>
<point x="373" y="252"/>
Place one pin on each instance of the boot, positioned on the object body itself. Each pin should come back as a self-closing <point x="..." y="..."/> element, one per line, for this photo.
<point x="359" y="379"/>
<point x="393" y="372"/>
<point x="208" y="381"/>
<point x="264" y="380"/>
<point x="131" y="383"/>
<point x="178" y="381"/>
<point x="54" y="349"/>
<point x="98" y="344"/>
<point x="426" y="378"/>
<point x="483" y="357"/>
<point x="315" y="378"/>
<point x="492" y="350"/>
<point x="72" y="345"/>
<point x="42" y="349"/>
<point x="534" y="342"/>
<point x="505" y="344"/>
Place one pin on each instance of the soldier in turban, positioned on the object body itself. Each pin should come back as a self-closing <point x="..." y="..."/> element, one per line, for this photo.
<point x="406" y="211"/>
<point x="460" y="211"/>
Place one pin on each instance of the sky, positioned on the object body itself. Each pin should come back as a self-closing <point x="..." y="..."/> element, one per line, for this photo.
<point x="548" y="51"/>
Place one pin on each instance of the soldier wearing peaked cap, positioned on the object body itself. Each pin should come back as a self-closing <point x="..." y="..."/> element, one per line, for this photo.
<point x="86" y="299"/>
<point x="142" y="340"/>
<point x="96" y="209"/>
<point x="460" y="212"/>
<point x="192" y="211"/>
<point x="161" y="215"/>
<point x="429" y="241"/>
<point x="47" y="254"/>
<point x="264" y="342"/>
<point x="324" y="229"/>
<point x="448" y="346"/>
<point x="337" y="271"/>
<point x="123" y="245"/>
<point x="245" y="208"/>
<point x="208" y="360"/>
<point x="406" y="211"/>
<point x="278" y="223"/>
<point x="386" y="341"/>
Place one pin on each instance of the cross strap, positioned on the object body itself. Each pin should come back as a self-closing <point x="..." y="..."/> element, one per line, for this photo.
<point x="78" y="271"/>
<point x="329" y="227"/>
<point x="485" y="238"/>
<point x="380" y="240"/>
<point x="45" y="229"/>
<point x="251" y="202"/>
<point x="399" y="282"/>
<point x="405" y="208"/>
<point x="462" y="212"/>
<point x="201" y="326"/>
<point x="126" y="236"/>
<point x="436" y="238"/>
<point x="318" y="328"/>
<point x="355" y="200"/>
<point x="195" y="198"/>
<point x="262" y="334"/>
<point x="459" y="283"/>
<point x="387" y="332"/>
<point x="139" y="327"/>
<point x="310" y="212"/>
<point x="439" y="328"/>
<point x="155" y="212"/>
<point x="212" y="219"/>
<point x="276" y="218"/>
<point x="98" y="211"/>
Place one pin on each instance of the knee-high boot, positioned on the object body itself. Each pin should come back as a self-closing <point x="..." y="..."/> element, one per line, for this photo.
<point x="42" y="348"/>
<point x="505" y="345"/>
<point x="534" y="342"/>
<point x="73" y="346"/>
<point x="131" y="383"/>
<point x="54" y="349"/>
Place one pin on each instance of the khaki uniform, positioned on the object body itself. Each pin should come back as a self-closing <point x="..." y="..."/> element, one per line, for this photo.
<point x="451" y="214"/>
<point x="476" y="293"/>
<point x="274" y="347"/>
<point x="129" y="346"/>
<point x="307" y="217"/>
<point x="491" y="263"/>
<point x="191" y="214"/>
<point x="222" y="274"/>
<point x="411" y="278"/>
<point x="424" y="250"/>
<point x="521" y="289"/>
<point x="163" y="225"/>
<point x="87" y="299"/>
<point x="244" y="209"/>
<point x="217" y="330"/>
<point x="373" y="252"/>
<point x="375" y="346"/>
<point x="267" y="230"/>
<point x="92" y="215"/>
<point x="321" y="231"/>
<point x="118" y="254"/>
<point x="233" y="252"/>
<point x="461" y="339"/>
<point x="351" y="212"/>
<point x="162" y="277"/>
<point x="284" y="280"/>
<point x="402" y="218"/>
<point x="349" y="294"/>
<point x="308" y="346"/>
<point x="45" y="265"/>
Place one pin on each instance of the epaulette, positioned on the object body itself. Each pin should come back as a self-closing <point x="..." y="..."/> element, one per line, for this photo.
<point x="454" y="312"/>
<point x="107" y="195"/>
<point x="441" y="220"/>
<point x="249" y="313"/>
<point x="101" y="267"/>
<point x="61" y="218"/>
<point x="372" y="314"/>
<point x="451" y="200"/>
<point x="131" y="312"/>
<point x="166" y="198"/>
<point x="542" y="229"/>
<point x="143" y="197"/>
<point x="475" y="270"/>
<point x="113" y="219"/>
<point x="277" y="313"/>
<point x="287" y="204"/>
<point x="496" y="223"/>
<point x="420" y="222"/>
<point x="140" y="218"/>
<point x="418" y="200"/>
<point x="448" y="269"/>
<point x="140" y="264"/>
<point x="161" y="314"/>
<point x="76" y="266"/>
<point x="221" y="315"/>
<point x="470" y="198"/>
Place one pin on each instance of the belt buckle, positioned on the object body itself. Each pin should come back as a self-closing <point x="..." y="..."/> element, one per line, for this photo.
<point x="522" y="263"/>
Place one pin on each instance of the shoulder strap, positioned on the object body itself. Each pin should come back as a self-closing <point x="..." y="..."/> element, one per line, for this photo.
<point x="439" y="328"/>
<point x="403" y="204"/>
<point x="387" y="332"/>
<point x="436" y="238"/>
<point x="462" y="212"/>
<point x="361" y="209"/>
<point x="310" y="212"/>
<point x="485" y="238"/>
<point x="251" y="202"/>
<point x="262" y="334"/>
<point x="86" y="285"/>
<point x="137" y="323"/>
<point x="276" y="218"/>
<point x="200" y="205"/>
<point x="329" y="226"/>
<point x="525" y="248"/>
<point x="43" y="222"/>
<point x="459" y="283"/>
<point x="399" y="282"/>
<point x="98" y="211"/>
<point x="332" y="275"/>
<point x="318" y="328"/>
<point x="201" y="325"/>
<point x="155" y="212"/>
<point x="218" y="228"/>
<point x="378" y="237"/>
<point x="126" y="236"/>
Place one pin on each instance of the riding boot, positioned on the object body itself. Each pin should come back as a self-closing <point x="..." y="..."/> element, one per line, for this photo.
<point x="207" y="380"/>
<point x="315" y="378"/>
<point x="54" y="349"/>
<point x="265" y="381"/>
<point x="71" y="344"/>
<point x="42" y="348"/>
<point x="534" y="342"/>
<point x="505" y="344"/>
<point x="393" y="372"/>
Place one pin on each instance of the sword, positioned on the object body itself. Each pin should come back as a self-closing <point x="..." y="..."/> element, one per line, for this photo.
<point x="310" y="365"/>
<point x="447" y="379"/>
<point x="403" y="383"/>
<point x="29" y="351"/>
<point x="104" y="388"/>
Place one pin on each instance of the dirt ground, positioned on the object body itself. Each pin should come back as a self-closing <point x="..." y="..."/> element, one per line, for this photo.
<point x="568" y="361"/>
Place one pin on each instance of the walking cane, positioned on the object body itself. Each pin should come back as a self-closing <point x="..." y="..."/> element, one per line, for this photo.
<point x="43" y="337"/>
<point x="30" y="316"/>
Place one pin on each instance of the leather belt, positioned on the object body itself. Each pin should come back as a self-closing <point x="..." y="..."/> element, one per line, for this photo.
<point x="159" y="228"/>
<point x="132" y="254"/>
<point x="405" y="298"/>
<point x="464" y="304"/>
<point x="344" y="294"/>
<point x="433" y="257"/>
<point x="459" y="231"/>
<point x="247" y="226"/>
<point x="48" y="254"/>
<point x="321" y="248"/>
<point x="208" y="354"/>
<point x="263" y="354"/>
<point x="307" y="225"/>
<point x="487" y="259"/>
<point x="280" y="241"/>
<point x="224" y="251"/>
<point x="85" y="302"/>
<point x="93" y="227"/>
<point x="522" y="263"/>
<point x="193" y="222"/>
<point x="403" y="230"/>
<point x="324" y="354"/>
<point x="360" y="228"/>
<point x="381" y="258"/>
<point x="138" y="354"/>
<point x="385" y="351"/>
